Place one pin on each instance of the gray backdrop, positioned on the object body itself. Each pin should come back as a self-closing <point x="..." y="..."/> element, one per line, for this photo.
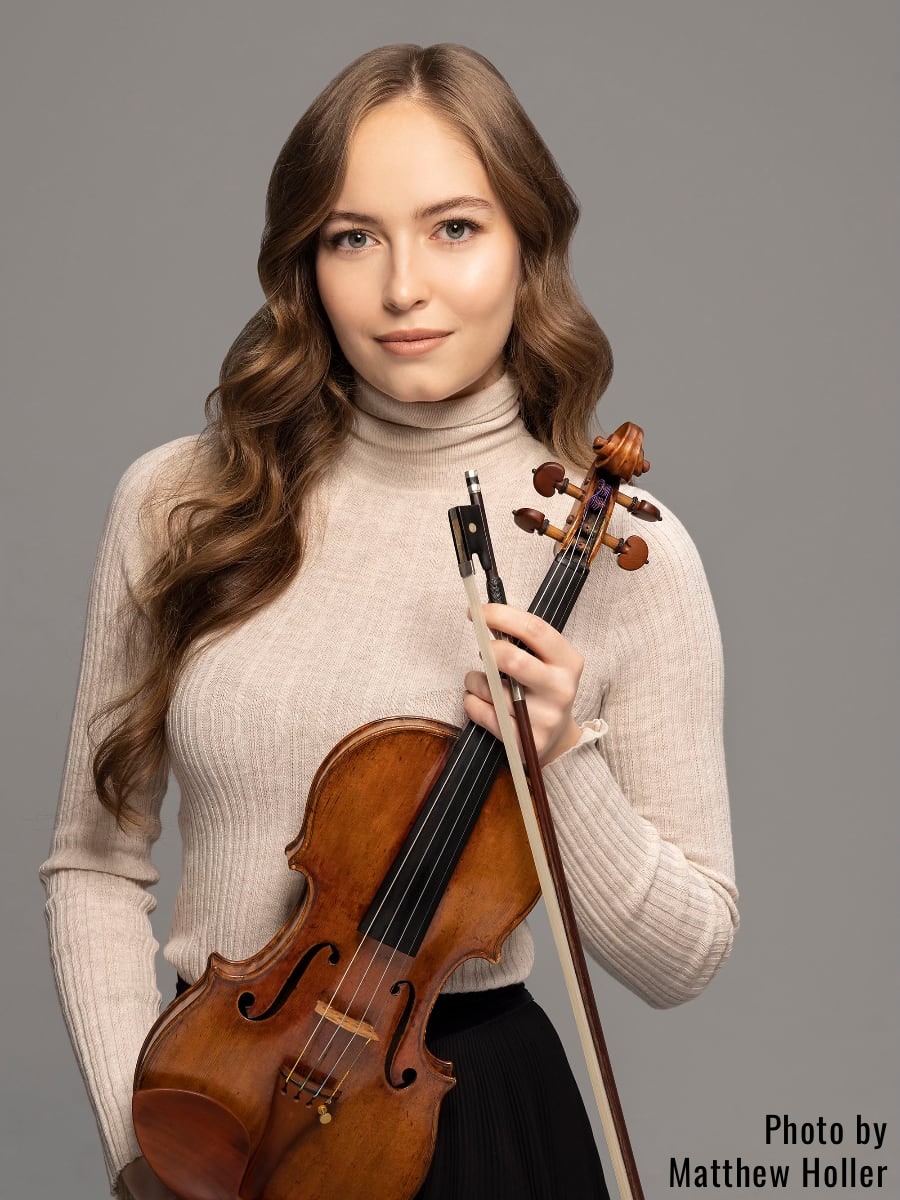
<point x="737" y="170"/>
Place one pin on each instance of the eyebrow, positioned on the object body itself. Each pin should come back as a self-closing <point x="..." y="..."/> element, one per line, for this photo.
<point x="421" y="214"/>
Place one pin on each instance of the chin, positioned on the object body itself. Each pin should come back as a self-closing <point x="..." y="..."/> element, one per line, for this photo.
<point x="418" y="381"/>
<point x="404" y="387"/>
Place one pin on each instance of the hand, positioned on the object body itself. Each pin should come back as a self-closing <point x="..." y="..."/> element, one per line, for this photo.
<point x="550" y="678"/>
<point x="142" y="1183"/>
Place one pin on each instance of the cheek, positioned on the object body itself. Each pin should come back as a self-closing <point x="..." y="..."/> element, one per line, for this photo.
<point x="337" y="299"/>
<point x="487" y="285"/>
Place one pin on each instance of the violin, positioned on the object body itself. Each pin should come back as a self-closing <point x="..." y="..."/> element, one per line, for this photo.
<point x="302" y="1071"/>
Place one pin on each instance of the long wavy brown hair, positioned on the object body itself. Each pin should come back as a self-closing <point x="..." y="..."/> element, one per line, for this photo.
<point x="283" y="406"/>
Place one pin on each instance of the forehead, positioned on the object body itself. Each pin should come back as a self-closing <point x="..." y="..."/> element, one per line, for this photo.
<point x="403" y="155"/>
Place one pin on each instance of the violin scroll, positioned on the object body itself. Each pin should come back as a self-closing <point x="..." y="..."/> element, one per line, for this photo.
<point x="621" y="453"/>
<point x="617" y="457"/>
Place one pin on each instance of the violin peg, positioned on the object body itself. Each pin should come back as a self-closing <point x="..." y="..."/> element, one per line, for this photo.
<point x="547" y="477"/>
<point x="551" y="477"/>
<point x="642" y="509"/>
<point x="631" y="552"/>
<point x="533" y="521"/>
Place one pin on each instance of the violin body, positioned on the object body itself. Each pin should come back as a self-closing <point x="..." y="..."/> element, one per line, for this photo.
<point x="302" y="1072"/>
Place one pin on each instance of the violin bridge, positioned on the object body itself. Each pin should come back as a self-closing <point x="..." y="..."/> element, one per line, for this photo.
<point x="344" y="1021"/>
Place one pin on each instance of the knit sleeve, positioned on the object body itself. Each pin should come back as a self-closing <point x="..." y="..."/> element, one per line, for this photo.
<point x="96" y="877"/>
<point x="641" y="801"/>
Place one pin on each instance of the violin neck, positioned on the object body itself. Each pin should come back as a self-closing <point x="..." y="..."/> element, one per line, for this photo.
<point x="410" y="893"/>
<point x="562" y="586"/>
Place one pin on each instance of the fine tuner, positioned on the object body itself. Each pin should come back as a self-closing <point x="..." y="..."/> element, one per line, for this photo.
<point x="617" y="457"/>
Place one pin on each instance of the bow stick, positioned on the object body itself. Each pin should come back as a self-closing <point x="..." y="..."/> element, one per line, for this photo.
<point x="471" y="536"/>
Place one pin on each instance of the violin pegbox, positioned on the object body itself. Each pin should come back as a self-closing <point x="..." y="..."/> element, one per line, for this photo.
<point x="616" y="458"/>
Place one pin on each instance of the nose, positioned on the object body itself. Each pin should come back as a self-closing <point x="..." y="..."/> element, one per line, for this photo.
<point x="406" y="282"/>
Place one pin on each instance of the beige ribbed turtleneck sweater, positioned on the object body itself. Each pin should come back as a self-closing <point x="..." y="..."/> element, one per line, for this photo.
<point x="375" y="625"/>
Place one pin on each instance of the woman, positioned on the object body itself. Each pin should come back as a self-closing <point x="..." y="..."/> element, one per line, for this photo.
<point x="269" y="585"/>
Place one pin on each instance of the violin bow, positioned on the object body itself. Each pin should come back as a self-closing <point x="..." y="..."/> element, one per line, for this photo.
<point x="586" y="534"/>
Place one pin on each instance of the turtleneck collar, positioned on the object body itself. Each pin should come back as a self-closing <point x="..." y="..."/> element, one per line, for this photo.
<point x="432" y="441"/>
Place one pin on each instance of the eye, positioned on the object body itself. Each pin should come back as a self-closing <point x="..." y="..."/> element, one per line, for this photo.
<point x="455" y="224"/>
<point x="337" y="238"/>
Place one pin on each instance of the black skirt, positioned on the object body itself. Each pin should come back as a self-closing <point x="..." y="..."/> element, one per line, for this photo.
<point x="515" y="1126"/>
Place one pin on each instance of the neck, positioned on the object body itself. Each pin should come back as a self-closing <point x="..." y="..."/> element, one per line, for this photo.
<point x="425" y="443"/>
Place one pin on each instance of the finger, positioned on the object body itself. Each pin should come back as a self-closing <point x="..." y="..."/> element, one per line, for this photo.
<point x="548" y="643"/>
<point x="477" y="684"/>
<point x="482" y="713"/>
<point x="553" y="681"/>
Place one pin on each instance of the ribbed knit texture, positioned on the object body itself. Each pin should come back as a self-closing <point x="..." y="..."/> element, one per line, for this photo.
<point x="375" y="625"/>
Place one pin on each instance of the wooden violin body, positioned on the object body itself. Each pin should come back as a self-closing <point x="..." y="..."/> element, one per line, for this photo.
<point x="302" y="1072"/>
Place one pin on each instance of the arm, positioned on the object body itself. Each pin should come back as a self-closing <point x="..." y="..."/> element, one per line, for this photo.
<point x="642" y="809"/>
<point x="640" y="799"/>
<point x="96" y="878"/>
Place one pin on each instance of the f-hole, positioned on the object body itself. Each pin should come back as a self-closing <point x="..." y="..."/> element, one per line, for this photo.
<point x="246" y="1000"/>
<point x="409" y="1074"/>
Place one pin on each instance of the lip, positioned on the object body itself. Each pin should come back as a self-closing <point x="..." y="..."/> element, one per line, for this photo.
<point x="412" y="335"/>
<point x="413" y="341"/>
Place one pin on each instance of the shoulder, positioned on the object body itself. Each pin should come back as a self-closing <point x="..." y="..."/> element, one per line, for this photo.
<point x="673" y="588"/>
<point x="166" y="462"/>
<point x="152" y="484"/>
<point x="668" y="539"/>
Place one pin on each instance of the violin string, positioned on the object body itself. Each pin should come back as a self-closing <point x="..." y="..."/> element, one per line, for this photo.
<point x="560" y="576"/>
<point x="556" y="602"/>
<point x="456" y="811"/>
<point x="412" y="881"/>
<point x="554" y="605"/>
<point x="563" y="598"/>
<point x="547" y="584"/>
<point x="469" y="734"/>
<point x="452" y="808"/>
<point x="556" y="568"/>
